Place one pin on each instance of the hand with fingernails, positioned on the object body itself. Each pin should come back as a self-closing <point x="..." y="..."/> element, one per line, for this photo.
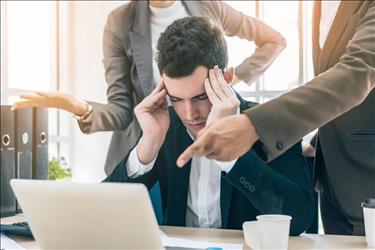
<point x="224" y="102"/>
<point x="153" y="118"/>
<point x="57" y="100"/>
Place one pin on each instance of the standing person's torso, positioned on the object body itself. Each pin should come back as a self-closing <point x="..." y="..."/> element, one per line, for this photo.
<point x="347" y="142"/>
<point x="160" y="19"/>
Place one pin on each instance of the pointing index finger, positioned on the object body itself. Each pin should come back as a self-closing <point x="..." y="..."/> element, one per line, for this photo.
<point x="199" y="148"/>
<point x="185" y="156"/>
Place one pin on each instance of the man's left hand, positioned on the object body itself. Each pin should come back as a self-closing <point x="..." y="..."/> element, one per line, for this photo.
<point x="224" y="102"/>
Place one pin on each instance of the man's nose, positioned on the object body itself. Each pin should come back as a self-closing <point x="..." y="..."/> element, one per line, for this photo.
<point x="191" y="111"/>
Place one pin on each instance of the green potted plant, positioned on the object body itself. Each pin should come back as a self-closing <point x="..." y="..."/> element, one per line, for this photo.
<point x="56" y="171"/>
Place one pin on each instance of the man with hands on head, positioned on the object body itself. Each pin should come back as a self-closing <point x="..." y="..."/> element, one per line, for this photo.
<point x="207" y="193"/>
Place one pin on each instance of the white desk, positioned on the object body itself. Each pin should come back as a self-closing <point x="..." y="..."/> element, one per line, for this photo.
<point x="305" y="241"/>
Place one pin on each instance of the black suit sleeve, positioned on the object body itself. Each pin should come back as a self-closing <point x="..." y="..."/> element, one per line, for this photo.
<point x="280" y="187"/>
<point x="120" y="174"/>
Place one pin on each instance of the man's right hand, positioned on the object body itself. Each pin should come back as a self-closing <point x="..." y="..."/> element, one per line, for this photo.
<point x="153" y="118"/>
<point x="58" y="100"/>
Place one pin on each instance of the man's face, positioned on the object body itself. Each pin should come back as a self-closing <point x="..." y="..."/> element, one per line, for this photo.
<point x="189" y="99"/>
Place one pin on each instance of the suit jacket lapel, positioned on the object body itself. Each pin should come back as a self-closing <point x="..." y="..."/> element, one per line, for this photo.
<point x="344" y="12"/>
<point x="182" y="175"/>
<point x="140" y="40"/>
<point x="315" y="35"/>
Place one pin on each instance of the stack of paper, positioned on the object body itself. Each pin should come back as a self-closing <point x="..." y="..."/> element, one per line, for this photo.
<point x="195" y="244"/>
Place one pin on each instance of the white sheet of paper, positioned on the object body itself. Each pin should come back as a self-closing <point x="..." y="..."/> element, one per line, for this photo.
<point x="180" y="242"/>
<point x="8" y="243"/>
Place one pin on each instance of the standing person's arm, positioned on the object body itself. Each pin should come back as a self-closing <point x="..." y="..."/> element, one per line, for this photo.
<point x="282" y="121"/>
<point x="269" y="43"/>
<point x="117" y="113"/>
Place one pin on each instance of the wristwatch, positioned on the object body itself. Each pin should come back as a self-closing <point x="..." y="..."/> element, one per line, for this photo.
<point x="84" y="118"/>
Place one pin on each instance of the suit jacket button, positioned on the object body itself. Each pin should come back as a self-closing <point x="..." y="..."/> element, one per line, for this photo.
<point x="280" y="144"/>
<point x="242" y="180"/>
<point x="247" y="185"/>
<point x="252" y="188"/>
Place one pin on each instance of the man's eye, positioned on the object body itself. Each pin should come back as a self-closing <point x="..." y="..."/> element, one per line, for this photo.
<point x="203" y="97"/>
<point x="175" y="100"/>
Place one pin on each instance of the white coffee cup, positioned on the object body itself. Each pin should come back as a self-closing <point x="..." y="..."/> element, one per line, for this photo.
<point x="270" y="231"/>
<point x="369" y="217"/>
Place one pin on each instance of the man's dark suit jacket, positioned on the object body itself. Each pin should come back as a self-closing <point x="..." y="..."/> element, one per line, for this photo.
<point x="251" y="188"/>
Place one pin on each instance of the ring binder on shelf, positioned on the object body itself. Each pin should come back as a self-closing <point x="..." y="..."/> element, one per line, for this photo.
<point x="40" y="143"/>
<point x="7" y="165"/>
<point x="24" y="144"/>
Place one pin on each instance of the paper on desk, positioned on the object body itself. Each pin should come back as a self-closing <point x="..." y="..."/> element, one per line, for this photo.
<point x="8" y="243"/>
<point x="180" y="242"/>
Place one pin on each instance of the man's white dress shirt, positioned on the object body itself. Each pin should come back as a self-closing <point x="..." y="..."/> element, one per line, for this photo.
<point x="203" y="202"/>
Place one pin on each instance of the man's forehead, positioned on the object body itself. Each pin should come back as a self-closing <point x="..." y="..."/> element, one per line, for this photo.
<point x="185" y="92"/>
<point x="186" y="87"/>
<point x="202" y="94"/>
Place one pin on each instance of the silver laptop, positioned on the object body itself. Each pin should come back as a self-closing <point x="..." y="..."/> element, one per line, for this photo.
<point x="66" y="215"/>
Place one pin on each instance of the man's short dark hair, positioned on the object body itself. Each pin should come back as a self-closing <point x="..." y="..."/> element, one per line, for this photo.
<point x="188" y="43"/>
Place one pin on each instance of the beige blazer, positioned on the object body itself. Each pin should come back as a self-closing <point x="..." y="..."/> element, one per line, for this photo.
<point x="340" y="100"/>
<point x="128" y="66"/>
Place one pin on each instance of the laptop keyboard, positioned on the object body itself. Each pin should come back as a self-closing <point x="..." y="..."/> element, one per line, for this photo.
<point x="19" y="228"/>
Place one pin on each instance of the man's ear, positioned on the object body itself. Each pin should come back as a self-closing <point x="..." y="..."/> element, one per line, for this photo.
<point x="229" y="75"/>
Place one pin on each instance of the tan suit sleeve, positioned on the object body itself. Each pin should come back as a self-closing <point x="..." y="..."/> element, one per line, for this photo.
<point x="283" y="121"/>
<point x="117" y="113"/>
<point x="268" y="41"/>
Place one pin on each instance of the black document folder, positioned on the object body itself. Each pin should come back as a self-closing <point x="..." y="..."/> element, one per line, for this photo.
<point x="7" y="165"/>
<point x="24" y="144"/>
<point x="40" y="143"/>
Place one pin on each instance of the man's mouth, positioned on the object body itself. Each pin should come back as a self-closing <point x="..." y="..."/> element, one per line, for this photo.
<point x="197" y="125"/>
